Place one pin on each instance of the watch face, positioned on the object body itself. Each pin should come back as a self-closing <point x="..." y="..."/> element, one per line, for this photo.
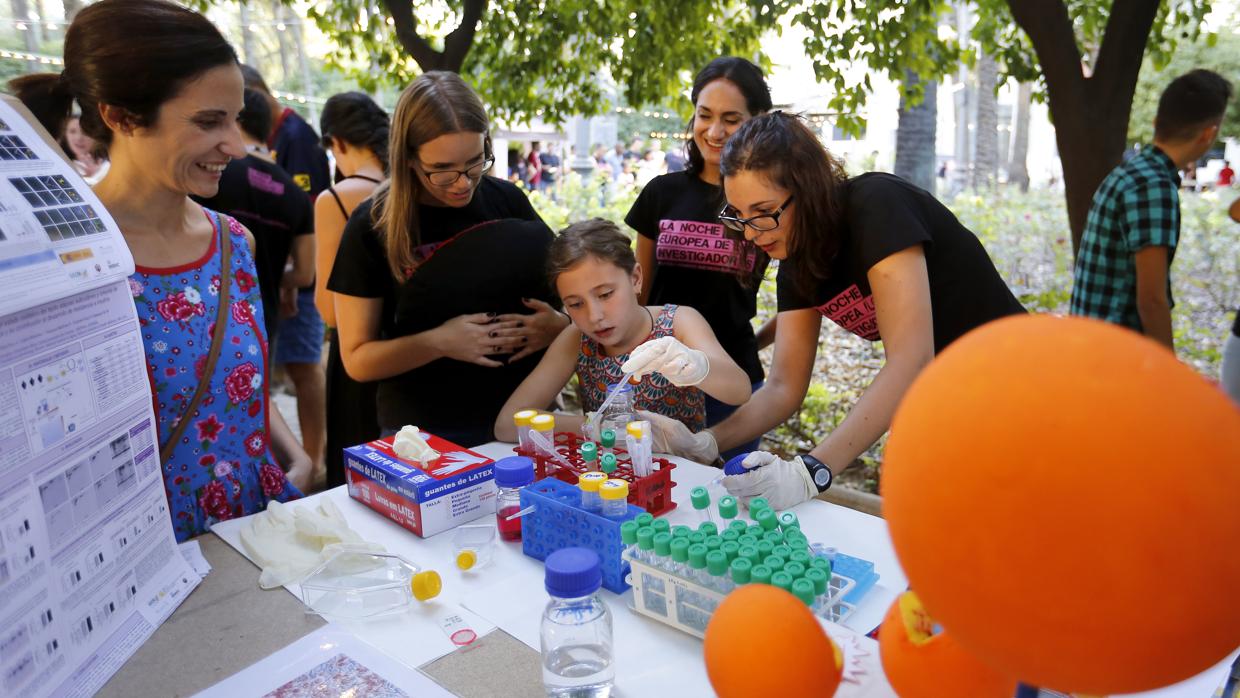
<point x="822" y="477"/>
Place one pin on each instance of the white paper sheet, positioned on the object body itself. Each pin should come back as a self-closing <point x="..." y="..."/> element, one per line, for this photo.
<point x="56" y="238"/>
<point x="192" y="552"/>
<point x="88" y="561"/>
<point x="327" y="662"/>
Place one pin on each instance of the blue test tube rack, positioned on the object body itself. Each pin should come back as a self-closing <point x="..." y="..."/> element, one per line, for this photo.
<point x="558" y="521"/>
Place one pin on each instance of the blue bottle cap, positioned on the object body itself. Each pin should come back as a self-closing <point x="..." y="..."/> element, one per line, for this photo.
<point x="572" y="573"/>
<point x="513" y="471"/>
<point x="734" y="467"/>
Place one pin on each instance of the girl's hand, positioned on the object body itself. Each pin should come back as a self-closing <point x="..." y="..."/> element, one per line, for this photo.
<point x="533" y="332"/>
<point x="679" y="364"/>
<point x="472" y="338"/>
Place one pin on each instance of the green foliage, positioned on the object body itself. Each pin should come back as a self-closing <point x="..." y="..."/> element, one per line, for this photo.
<point x="577" y="198"/>
<point x="555" y="58"/>
<point x="1217" y="52"/>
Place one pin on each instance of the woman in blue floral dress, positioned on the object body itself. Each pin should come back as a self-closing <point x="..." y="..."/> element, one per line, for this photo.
<point x="163" y="97"/>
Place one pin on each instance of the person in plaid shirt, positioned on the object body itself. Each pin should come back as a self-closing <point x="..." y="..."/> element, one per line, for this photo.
<point x="1123" y="267"/>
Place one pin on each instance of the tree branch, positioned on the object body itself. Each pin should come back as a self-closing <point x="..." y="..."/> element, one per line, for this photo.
<point x="406" y="26"/>
<point x="1050" y="30"/>
<point x="456" y="45"/>
<point x="1123" y="45"/>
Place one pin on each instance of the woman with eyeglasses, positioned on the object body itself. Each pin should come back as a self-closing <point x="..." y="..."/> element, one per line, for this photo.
<point x="873" y="254"/>
<point x="687" y="256"/>
<point x="440" y="293"/>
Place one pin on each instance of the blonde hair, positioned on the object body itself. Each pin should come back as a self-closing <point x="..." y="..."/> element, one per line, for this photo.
<point x="435" y="104"/>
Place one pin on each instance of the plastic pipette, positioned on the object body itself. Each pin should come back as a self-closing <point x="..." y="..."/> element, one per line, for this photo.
<point x="593" y="422"/>
<point x="543" y="444"/>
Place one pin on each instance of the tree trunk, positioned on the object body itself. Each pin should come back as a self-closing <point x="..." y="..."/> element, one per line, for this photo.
<point x="455" y="45"/>
<point x="277" y="11"/>
<point x="71" y="9"/>
<point x="1018" y="170"/>
<point x="40" y="30"/>
<point x="986" y="159"/>
<point x="247" y="36"/>
<point x="962" y="107"/>
<point x="1091" y="114"/>
<point x="21" y="13"/>
<point x="915" y="136"/>
<point x="303" y="67"/>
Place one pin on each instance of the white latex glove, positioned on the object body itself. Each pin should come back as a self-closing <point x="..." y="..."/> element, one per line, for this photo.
<point x="409" y="444"/>
<point x="288" y="542"/>
<point x="671" y="436"/>
<point x="784" y="483"/>
<point x="678" y="363"/>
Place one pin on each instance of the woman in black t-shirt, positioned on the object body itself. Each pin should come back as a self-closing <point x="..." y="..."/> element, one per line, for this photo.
<point x="681" y="245"/>
<point x="874" y="254"/>
<point x="439" y="287"/>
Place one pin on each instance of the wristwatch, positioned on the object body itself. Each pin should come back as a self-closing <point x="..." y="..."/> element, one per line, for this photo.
<point x="818" y="472"/>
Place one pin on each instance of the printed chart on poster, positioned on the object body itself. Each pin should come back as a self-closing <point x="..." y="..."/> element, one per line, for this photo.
<point x="55" y="236"/>
<point x="89" y="565"/>
<point x="327" y="662"/>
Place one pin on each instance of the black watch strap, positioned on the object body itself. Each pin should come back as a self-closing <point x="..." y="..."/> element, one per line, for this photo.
<point x="818" y="472"/>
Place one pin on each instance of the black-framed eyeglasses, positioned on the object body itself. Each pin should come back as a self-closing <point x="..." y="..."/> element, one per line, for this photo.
<point x="446" y="178"/>
<point x="761" y="222"/>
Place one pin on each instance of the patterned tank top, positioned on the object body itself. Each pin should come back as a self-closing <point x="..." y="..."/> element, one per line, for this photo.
<point x="223" y="466"/>
<point x="596" y="372"/>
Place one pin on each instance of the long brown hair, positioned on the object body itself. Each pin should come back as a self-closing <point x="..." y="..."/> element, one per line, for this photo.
<point x="596" y="237"/>
<point x="435" y="104"/>
<point x="784" y="150"/>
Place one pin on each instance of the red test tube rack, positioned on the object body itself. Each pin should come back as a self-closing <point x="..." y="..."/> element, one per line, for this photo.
<point x="652" y="492"/>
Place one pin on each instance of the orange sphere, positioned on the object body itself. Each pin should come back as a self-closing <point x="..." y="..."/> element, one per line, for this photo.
<point x="1062" y="495"/>
<point x="763" y="641"/>
<point x="921" y="664"/>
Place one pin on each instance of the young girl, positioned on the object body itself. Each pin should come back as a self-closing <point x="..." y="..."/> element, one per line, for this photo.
<point x="673" y="350"/>
<point x="438" y="283"/>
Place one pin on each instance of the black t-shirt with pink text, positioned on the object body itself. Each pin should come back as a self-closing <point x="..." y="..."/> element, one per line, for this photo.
<point x="698" y="264"/>
<point x="884" y="214"/>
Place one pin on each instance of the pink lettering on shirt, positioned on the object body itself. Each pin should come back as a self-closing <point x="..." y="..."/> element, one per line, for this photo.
<point x="853" y="311"/>
<point x="703" y="246"/>
<point x="263" y="182"/>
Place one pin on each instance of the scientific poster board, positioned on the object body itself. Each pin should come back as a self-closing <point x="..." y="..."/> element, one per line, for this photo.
<point x="89" y="565"/>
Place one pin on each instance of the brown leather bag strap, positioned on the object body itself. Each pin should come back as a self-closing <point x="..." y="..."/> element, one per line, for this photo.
<point x="217" y="343"/>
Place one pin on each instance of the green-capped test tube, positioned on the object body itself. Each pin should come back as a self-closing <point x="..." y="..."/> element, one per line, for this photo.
<point x="700" y="499"/>
<point x="697" y="537"/>
<point x="607" y="440"/>
<point x="644" y="519"/>
<point x="765" y="547"/>
<point x="680" y="556"/>
<point x="803" y="589"/>
<point x="681" y="531"/>
<point x="728" y="508"/>
<point x="661" y="526"/>
<point x="788" y="521"/>
<point x="822" y="564"/>
<point x="730" y="548"/>
<point x="760" y="574"/>
<point x="757" y="504"/>
<point x="738" y="525"/>
<point x="713" y="542"/>
<point x="819" y="578"/>
<point x="730" y="534"/>
<point x="776" y="537"/>
<point x="747" y="540"/>
<point x="748" y="552"/>
<point x="796" y="540"/>
<point x="628" y="536"/>
<point x="754" y="530"/>
<point x="662" y="550"/>
<point x="608" y="463"/>
<point x="709" y="528"/>
<point x="800" y="556"/>
<point x="589" y="455"/>
<point x="783" y="580"/>
<point x="766" y="519"/>
<point x="645" y="544"/>
<point x="775" y="562"/>
<point x="717" y="566"/>
<point x="795" y="569"/>
<point x="740" y="568"/>
<point x="697" y="563"/>
<point x="783" y="551"/>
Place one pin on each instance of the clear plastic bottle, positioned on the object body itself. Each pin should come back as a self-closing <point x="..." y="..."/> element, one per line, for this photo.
<point x="620" y="412"/>
<point x="680" y="556"/>
<point x="662" y="558"/>
<point x="645" y="544"/>
<point x="511" y="474"/>
<point x="576" y="631"/>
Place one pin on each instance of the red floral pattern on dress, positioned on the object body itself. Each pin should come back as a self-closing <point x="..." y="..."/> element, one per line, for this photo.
<point x="240" y="382"/>
<point x="177" y="307"/>
<point x="223" y="467"/>
<point x="272" y="479"/>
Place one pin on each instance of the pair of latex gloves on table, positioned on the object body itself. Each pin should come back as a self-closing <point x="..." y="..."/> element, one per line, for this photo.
<point x="784" y="483"/>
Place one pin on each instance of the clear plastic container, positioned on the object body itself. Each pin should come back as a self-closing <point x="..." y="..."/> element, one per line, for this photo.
<point x="589" y="484"/>
<point x="522" y="421"/>
<point x="576" y="631"/>
<point x="511" y="474"/>
<point x="615" y="498"/>
<point x="473" y="547"/>
<point x="620" y="412"/>
<point x="357" y="585"/>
